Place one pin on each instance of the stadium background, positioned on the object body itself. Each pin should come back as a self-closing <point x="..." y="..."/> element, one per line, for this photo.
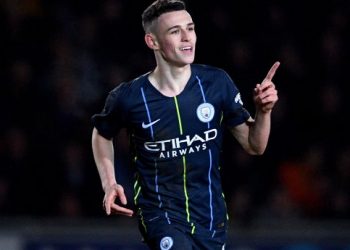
<point x="59" y="59"/>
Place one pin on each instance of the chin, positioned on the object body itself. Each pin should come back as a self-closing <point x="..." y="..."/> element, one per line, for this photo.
<point x="183" y="64"/>
<point x="189" y="60"/>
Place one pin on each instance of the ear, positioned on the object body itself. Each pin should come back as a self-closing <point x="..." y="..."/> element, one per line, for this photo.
<point x="151" y="41"/>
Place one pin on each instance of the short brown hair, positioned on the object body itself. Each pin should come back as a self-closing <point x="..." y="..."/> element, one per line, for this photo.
<point x="158" y="8"/>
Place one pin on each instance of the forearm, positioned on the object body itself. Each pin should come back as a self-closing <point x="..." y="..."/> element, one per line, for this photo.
<point x="104" y="158"/>
<point x="259" y="132"/>
<point x="265" y="98"/>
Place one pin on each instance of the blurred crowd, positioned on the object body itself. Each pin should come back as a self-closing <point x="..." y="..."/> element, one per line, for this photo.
<point x="60" y="58"/>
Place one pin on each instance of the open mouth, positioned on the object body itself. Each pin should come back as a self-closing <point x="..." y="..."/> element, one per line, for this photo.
<point x="187" y="48"/>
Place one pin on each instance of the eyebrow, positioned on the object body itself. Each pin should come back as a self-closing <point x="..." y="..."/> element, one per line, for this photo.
<point x="178" y="26"/>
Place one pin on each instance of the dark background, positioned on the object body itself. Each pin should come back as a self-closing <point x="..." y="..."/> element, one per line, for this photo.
<point x="60" y="58"/>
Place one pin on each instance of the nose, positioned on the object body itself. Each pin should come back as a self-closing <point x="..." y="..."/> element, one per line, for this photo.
<point x="185" y="36"/>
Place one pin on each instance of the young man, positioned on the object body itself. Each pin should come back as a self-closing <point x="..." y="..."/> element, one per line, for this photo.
<point x="175" y="115"/>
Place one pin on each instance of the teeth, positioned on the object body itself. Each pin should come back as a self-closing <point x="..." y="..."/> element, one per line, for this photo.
<point x="185" y="48"/>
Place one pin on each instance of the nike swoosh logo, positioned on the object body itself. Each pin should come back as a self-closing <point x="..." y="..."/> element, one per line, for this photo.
<point x="149" y="124"/>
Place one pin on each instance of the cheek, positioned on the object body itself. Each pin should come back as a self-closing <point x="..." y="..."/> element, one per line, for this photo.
<point x="168" y="48"/>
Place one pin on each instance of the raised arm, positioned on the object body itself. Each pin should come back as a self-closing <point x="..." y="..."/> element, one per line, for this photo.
<point x="254" y="135"/>
<point x="103" y="152"/>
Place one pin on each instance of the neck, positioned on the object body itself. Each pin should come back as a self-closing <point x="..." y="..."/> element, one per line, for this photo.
<point x="170" y="81"/>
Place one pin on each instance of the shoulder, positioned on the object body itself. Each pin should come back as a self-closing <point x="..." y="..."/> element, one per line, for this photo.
<point x="208" y="71"/>
<point x="129" y="87"/>
<point x="125" y="92"/>
<point x="211" y="74"/>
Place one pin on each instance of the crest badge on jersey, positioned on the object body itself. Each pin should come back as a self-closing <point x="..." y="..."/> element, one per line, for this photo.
<point x="205" y="112"/>
<point x="166" y="243"/>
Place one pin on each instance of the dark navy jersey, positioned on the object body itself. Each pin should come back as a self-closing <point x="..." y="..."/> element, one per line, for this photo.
<point x="176" y="143"/>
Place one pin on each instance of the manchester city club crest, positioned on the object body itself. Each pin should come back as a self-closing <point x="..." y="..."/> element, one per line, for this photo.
<point x="166" y="243"/>
<point x="205" y="112"/>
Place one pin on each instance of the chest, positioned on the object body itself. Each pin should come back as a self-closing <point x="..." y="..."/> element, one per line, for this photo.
<point x="193" y="112"/>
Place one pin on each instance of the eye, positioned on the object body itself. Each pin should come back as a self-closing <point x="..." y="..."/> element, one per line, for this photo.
<point x="174" y="31"/>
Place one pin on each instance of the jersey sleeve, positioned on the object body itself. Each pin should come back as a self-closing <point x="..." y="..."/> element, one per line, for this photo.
<point x="234" y="112"/>
<point x="111" y="119"/>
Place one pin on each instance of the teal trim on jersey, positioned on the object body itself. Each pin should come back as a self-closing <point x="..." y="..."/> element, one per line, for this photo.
<point x="136" y="182"/>
<point x="156" y="184"/>
<point x="210" y="191"/>
<point x="137" y="189"/>
<point x="227" y="216"/>
<point x="178" y="115"/>
<point x="137" y="193"/>
<point x="183" y="162"/>
<point x="155" y="162"/>
<point x="142" y="220"/>
<point x="148" y="112"/>
<point x="193" y="228"/>
<point x="185" y="188"/>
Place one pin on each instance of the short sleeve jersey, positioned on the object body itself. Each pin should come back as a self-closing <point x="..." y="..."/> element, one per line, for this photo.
<point x="176" y="142"/>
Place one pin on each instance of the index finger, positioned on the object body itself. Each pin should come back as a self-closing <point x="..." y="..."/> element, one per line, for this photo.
<point x="272" y="71"/>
